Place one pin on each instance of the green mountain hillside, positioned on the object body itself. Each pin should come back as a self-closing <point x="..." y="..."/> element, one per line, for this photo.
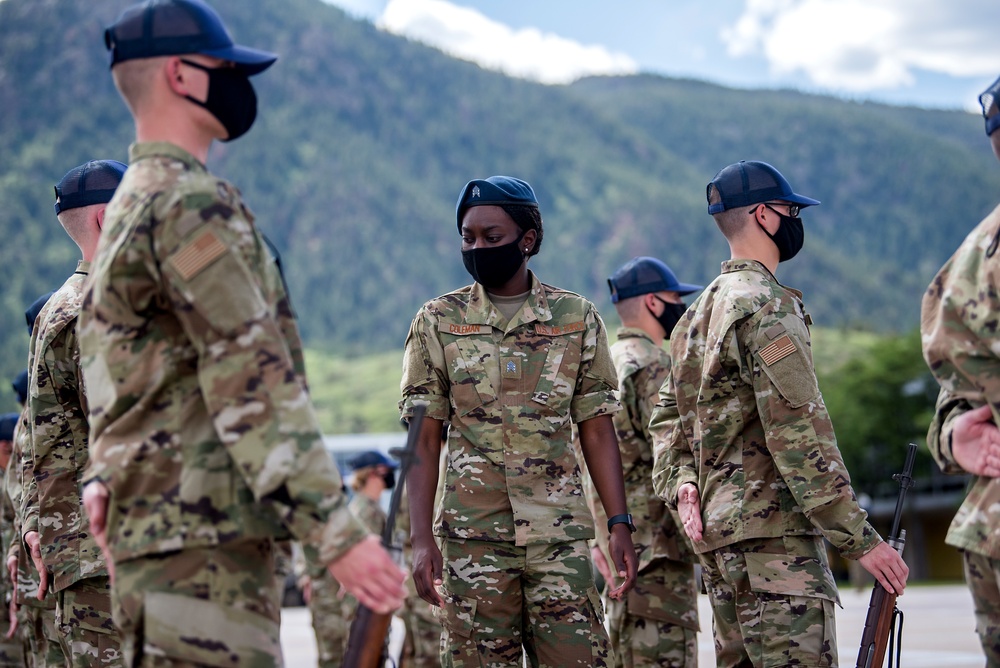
<point x="364" y="140"/>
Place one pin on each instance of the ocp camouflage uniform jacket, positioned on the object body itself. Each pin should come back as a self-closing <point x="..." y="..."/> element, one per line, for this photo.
<point x="511" y="391"/>
<point x="56" y="452"/>
<point x="642" y="368"/>
<point x="27" y="577"/>
<point x="369" y="512"/>
<point x="962" y="347"/>
<point x="741" y="417"/>
<point x="201" y="422"/>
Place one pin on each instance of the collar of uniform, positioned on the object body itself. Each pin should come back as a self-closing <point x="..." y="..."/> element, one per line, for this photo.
<point x="482" y="312"/>
<point x="632" y="333"/>
<point x="730" y="266"/>
<point x="154" y="149"/>
<point x="82" y="267"/>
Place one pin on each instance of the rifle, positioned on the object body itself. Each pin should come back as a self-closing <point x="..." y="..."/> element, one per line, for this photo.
<point x="880" y="624"/>
<point x="367" y="644"/>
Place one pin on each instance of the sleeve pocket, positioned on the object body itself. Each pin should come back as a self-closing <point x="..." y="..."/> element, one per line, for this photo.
<point x="794" y="379"/>
<point x="223" y="293"/>
<point x="206" y="633"/>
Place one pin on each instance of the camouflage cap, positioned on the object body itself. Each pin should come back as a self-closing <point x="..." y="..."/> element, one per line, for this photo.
<point x="177" y="27"/>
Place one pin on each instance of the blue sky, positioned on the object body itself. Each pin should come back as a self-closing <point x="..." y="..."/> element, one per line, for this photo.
<point x="934" y="53"/>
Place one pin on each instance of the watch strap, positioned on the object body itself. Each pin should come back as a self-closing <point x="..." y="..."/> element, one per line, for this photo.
<point x="625" y="518"/>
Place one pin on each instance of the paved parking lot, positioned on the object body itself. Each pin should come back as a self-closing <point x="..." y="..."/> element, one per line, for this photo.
<point x="938" y="630"/>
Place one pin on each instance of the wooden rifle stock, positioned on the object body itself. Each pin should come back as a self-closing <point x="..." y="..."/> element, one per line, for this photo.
<point x="882" y="611"/>
<point x="366" y="644"/>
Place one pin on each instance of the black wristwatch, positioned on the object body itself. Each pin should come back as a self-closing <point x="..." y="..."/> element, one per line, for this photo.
<point x="625" y="519"/>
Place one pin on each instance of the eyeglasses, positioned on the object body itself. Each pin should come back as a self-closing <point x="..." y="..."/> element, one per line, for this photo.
<point x="793" y="209"/>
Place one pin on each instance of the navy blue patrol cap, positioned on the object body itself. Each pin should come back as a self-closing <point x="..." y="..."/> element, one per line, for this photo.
<point x="642" y="275"/>
<point x="746" y="183"/>
<point x="989" y="99"/>
<point x="93" y="182"/>
<point x="371" y="458"/>
<point x="31" y="313"/>
<point x="20" y="386"/>
<point x="7" y="423"/>
<point x="178" y="27"/>
<point x="496" y="191"/>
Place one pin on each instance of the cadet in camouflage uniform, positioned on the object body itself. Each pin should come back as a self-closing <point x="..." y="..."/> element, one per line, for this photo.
<point x="54" y="524"/>
<point x="960" y="344"/>
<point x="37" y="628"/>
<point x="745" y="449"/>
<point x="511" y="364"/>
<point x="11" y="652"/>
<point x="657" y="623"/>
<point x="204" y="447"/>
<point x="422" y="644"/>
<point x="331" y="611"/>
<point x="36" y="618"/>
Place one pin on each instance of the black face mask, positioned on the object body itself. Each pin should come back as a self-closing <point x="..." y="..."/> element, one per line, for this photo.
<point x="788" y="238"/>
<point x="492" y="267"/>
<point x="231" y="99"/>
<point x="671" y="314"/>
<point x="389" y="479"/>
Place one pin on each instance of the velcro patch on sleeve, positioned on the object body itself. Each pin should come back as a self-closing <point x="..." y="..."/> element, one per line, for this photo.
<point x="190" y="260"/>
<point x="780" y="349"/>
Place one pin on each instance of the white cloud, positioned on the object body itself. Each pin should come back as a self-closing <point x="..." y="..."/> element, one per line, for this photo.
<point x="527" y="53"/>
<point x="863" y="45"/>
<point x="368" y="9"/>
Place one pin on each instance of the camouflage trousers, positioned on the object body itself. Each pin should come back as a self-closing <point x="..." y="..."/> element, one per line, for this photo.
<point x="213" y="606"/>
<point x="329" y="620"/>
<point x="772" y="603"/>
<point x="40" y="635"/>
<point x="11" y="651"/>
<point x="656" y="626"/>
<point x="422" y="646"/>
<point x="982" y="574"/>
<point x="500" y="598"/>
<point x="86" y="630"/>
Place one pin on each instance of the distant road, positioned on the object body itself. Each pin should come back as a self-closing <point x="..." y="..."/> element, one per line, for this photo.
<point x="938" y="630"/>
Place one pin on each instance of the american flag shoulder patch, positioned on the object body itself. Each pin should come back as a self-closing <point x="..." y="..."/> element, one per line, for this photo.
<point x="778" y="350"/>
<point x="190" y="260"/>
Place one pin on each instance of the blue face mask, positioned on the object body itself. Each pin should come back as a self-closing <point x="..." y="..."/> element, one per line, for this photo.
<point x="789" y="237"/>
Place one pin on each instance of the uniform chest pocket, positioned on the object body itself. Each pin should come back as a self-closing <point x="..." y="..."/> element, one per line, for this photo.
<point x="557" y="376"/>
<point x="467" y="360"/>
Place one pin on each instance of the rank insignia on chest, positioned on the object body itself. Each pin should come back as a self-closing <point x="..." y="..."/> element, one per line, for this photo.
<point x="510" y="367"/>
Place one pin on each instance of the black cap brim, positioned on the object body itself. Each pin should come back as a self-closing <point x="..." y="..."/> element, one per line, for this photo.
<point x="801" y="200"/>
<point x="251" y="61"/>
